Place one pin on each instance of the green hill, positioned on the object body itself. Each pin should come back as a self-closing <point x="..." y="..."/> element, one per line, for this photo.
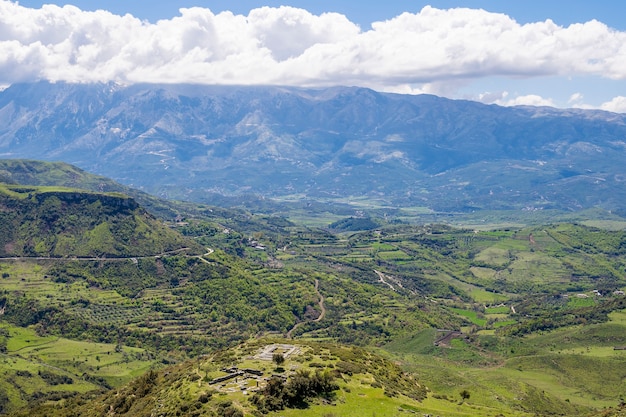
<point x="60" y="174"/>
<point x="327" y="379"/>
<point x="314" y="379"/>
<point x="63" y="222"/>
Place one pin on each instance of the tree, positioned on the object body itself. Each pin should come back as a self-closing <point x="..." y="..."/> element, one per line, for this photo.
<point x="278" y="359"/>
<point x="465" y="394"/>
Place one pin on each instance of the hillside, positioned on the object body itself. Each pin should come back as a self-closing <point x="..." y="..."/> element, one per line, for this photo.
<point x="313" y="379"/>
<point x="511" y="321"/>
<point x="63" y="222"/>
<point x="327" y="378"/>
<point x="500" y="315"/>
<point x="343" y="145"/>
<point x="60" y="174"/>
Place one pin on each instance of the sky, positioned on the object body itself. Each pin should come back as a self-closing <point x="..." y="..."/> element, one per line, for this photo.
<point x="506" y="52"/>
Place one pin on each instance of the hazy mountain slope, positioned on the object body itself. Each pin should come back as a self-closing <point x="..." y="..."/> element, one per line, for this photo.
<point x="184" y="140"/>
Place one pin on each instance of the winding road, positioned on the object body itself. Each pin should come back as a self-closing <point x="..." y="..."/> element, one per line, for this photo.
<point x="381" y="278"/>
<point x="201" y="257"/>
<point x="104" y="258"/>
<point x="322" y="308"/>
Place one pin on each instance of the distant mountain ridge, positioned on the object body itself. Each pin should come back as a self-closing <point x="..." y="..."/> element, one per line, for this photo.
<point x="186" y="142"/>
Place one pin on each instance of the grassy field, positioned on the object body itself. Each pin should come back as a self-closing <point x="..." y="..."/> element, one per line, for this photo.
<point x="472" y="316"/>
<point x="356" y="399"/>
<point x="114" y="362"/>
<point x="574" y="368"/>
<point x="35" y="366"/>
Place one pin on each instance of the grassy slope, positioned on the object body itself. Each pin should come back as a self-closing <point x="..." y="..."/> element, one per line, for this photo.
<point x="86" y="366"/>
<point x="58" y="174"/>
<point x="493" y="390"/>
<point x="567" y="369"/>
<point x="525" y="373"/>
<point x="61" y="222"/>
<point x="366" y="387"/>
<point x="503" y="374"/>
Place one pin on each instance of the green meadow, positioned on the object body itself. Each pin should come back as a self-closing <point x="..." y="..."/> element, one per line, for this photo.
<point x="36" y="366"/>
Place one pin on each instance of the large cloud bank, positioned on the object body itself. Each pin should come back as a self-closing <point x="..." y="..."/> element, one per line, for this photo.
<point x="289" y="46"/>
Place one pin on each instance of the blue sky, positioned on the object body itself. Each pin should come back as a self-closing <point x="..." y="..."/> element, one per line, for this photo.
<point x="507" y="53"/>
<point x="364" y="12"/>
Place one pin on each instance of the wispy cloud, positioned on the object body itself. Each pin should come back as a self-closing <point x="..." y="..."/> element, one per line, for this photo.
<point x="423" y="52"/>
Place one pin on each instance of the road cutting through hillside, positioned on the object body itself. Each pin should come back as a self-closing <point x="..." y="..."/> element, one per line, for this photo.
<point x="201" y="257"/>
<point x="381" y="278"/>
<point x="104" y="258"/>
<point x="319" y="318"/>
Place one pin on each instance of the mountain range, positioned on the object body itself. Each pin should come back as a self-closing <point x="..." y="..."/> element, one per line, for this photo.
<point x="337" y="144"/>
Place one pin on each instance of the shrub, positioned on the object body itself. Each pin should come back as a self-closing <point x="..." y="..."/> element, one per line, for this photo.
<point x="296" y="392"/>
<point x="204" y="397"/>
<point x="55" y="379"/>
<point x="349" y="368"/>
<point x="4" y="401"/>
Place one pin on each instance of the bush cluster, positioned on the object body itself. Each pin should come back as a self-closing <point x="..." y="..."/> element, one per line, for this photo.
<point x="296" y="392"/>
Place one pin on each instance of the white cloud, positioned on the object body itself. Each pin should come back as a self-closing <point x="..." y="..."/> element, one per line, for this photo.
<point x="525" y="100"/>
<point x="617" y="105"/>
<point x="491" y="97"/>
<point x="504" y="98"/>
<point x="432" y="51"/>
<point x="287" y="32"/>
<point x="577" y="101"/>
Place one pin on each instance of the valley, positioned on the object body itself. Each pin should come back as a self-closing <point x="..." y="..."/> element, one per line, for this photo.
<point x="507" y="320"/>
<point x="312" y="209"/>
